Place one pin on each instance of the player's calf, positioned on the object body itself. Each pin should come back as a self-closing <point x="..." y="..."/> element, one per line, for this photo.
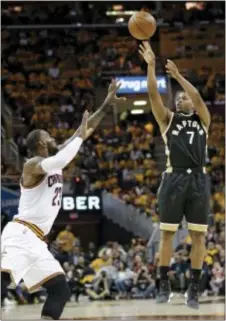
<point x="165" y="254"/>
<point x="58" y="293"/>
<point x="198" y="252"/>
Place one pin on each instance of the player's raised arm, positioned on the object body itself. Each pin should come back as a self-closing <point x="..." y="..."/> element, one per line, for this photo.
<point x="161" y="113"/>
<point x="192" y="92"/>
<point x="63" y="157"/>
<point x="110" y="100"/>
<point x="95" y="119"/>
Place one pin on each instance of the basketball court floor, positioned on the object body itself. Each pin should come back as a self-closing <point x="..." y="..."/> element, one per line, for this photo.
<point x="210" y="309"/>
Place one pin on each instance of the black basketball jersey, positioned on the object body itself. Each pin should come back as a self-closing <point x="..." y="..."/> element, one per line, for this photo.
<point x="186" y="141"/>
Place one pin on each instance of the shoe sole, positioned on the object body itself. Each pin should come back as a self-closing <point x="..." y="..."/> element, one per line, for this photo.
<point x="186" y="303"/>
<point x="170" y="297"/>
<point x="190" y="306"/>
<point x="169" y="300"/>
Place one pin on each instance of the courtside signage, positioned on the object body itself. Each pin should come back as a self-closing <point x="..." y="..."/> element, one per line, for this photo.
<point x="83" y="203"/>
<point x="138" y="85"/>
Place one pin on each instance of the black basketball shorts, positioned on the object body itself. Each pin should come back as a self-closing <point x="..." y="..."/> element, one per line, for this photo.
<point x="182" y="194"/>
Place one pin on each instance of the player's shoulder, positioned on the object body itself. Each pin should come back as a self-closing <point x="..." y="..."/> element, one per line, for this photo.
<point x="31" y="162"/>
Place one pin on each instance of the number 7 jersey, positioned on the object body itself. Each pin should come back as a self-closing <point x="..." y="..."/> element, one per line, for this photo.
<point x="40" y="204"/>
<point x="185" y="141"/>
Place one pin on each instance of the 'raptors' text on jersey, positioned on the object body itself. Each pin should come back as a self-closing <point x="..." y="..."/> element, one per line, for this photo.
<point x="186" y="141"/>
<point x="40" y="205"/>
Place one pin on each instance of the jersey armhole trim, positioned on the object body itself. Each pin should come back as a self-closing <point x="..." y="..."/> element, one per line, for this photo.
<point x="204" y="127"/>
<point x="36" y="185"/>
<point x="167" y="128"/>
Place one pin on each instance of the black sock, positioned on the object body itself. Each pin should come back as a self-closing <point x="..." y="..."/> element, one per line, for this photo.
<point x="58" y="294"/>
<point x="195" y="275"/>
<point x="164" y="272"/>
<point x="5" y="282"/>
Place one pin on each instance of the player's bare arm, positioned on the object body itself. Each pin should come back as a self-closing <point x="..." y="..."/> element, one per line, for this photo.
<point x="40" y="166"/>
<point x="192" y="92"/>
<point x="97" y="117"/>
<point x="161" y="113"/>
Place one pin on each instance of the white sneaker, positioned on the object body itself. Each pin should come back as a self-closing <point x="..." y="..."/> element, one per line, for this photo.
<point x="8" y="302"/>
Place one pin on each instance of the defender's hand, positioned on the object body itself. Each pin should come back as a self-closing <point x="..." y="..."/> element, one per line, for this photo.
<point x="112" y="90"/>
<point x="172" y="69"/>
<point x="147" y="53"/>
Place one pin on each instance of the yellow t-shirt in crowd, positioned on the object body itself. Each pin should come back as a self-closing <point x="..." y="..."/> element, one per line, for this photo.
<point x="97" y="264"/>
<point x="66" y="240"/>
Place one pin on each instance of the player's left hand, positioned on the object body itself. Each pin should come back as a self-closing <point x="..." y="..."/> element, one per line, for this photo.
<point x="172" y="69"/>
<point x="112" y="90"/>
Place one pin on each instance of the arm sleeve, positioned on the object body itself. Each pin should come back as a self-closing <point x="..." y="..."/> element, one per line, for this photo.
<point x="63" y="157"/>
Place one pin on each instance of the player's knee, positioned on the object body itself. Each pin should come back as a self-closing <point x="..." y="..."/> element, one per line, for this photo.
<point x="167" y="236"/>
<point x="198" y="238"/>
<point x="58" y="287"/>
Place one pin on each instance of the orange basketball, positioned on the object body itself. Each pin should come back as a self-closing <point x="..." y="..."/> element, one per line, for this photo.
<point x="142" y="25"/>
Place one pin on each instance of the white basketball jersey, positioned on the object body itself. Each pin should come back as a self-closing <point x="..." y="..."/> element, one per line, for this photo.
<point x="40" y="204"/>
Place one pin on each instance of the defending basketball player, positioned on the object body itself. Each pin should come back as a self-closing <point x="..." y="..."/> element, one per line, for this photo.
<point x="185" y="186"/>
<point x="24" y="254"/>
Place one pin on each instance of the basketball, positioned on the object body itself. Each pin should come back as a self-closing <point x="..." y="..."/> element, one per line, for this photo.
<point x="142" y="25"/>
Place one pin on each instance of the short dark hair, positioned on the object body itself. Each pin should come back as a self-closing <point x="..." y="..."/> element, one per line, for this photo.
<point x="32" y="140"/>
<point x="178" y="93"/>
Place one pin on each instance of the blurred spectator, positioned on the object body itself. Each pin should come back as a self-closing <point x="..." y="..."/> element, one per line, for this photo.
<point x="66" y="239"/>
<point x="144" y="285"/>
<point x="179" y="270"/>
<point x="103" y="261"/>
<point x="218" y="278"/>
<point x="100" y="288"/>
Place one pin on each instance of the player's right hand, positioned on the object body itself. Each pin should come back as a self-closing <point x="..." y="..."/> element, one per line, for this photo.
<point x="172" y="69"/>
<point x="83" y="128"/>
<point x="147" y="53"/>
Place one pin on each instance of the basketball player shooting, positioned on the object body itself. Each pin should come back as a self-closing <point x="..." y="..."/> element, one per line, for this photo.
<point x="185" y="185"/>
<point x="24" y="254"/>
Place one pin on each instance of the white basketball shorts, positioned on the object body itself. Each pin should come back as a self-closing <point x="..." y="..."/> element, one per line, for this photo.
<point x="27" y="257"/>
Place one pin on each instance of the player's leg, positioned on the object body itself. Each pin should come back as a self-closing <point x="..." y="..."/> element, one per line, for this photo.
<point x="5" y="282"/>
<point x="197" y="255"/>
<point x="165" y="251"/>
<point x="58" y="293"/>
<point x="196" y="212"/>
<point x="15" y="259"/>
<point x="170" y="201"/>
<point x="48" y="273"/>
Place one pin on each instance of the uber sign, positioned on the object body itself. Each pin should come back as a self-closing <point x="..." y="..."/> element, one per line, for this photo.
<point x="84" y="203"/>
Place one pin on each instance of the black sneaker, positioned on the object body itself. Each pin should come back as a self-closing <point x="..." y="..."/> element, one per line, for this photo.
<point x="192" y="296"/>
<point x="165" y="294"/>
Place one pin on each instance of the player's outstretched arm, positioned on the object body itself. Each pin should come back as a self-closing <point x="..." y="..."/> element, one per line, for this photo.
<point x="109" y="101"/>
<point x="63" y="157"/>
<point x="192" y="92"/>
<point x="96" y="118"/>
<point x="161" y="113"/>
